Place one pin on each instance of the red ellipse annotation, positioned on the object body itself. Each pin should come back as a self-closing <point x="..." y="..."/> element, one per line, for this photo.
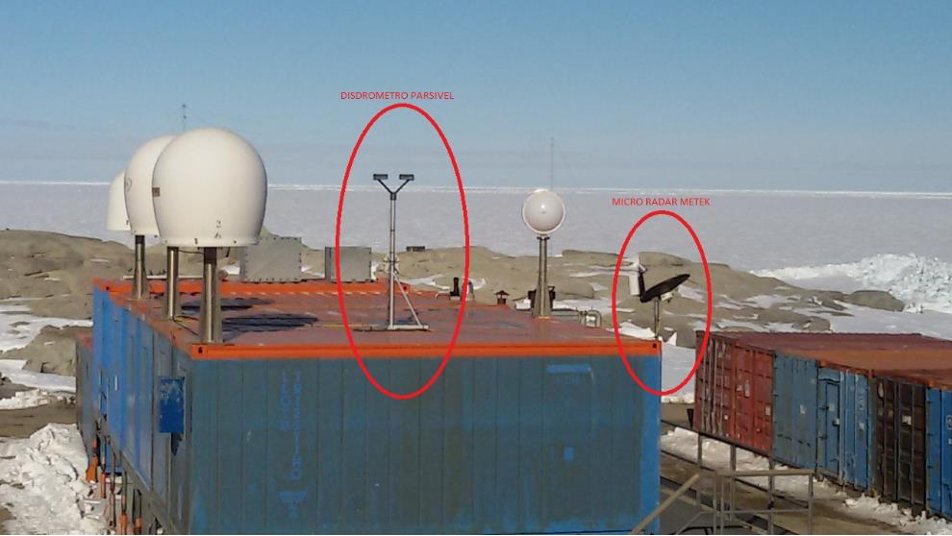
<point x="340" y="291"/>
<point x="710" y="301"/>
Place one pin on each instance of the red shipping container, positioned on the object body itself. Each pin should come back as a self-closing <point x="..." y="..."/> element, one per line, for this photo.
<point x="733" y="393"/>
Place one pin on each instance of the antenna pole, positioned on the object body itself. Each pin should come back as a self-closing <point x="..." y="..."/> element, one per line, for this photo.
<point x="140" y="281"/>
<point x="393" y="255"/>
<point x="543" y="305"/>
<point x="184" y="117"/>
<point x="551" y="163"/>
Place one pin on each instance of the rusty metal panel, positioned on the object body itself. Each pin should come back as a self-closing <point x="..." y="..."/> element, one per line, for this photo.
<point x="734" y="393"/>
<point x="901" y="441"/>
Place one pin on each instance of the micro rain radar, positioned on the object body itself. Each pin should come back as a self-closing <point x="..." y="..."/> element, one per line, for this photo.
<point x="658" y="292"/>
<point x="138" y="185"/>
<point x="543" y="213"/>
<point x="210" y="189"/>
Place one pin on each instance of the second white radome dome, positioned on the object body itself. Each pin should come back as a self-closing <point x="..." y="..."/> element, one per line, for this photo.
<point x="209" y="190"/>
<point x="139" y="185"/>
<point x="117" y="219"/>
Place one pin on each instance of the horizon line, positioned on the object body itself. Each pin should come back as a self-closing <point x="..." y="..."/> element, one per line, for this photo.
<point x="528" y="189"/>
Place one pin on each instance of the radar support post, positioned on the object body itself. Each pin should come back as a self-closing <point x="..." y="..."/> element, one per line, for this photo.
<point x="140" y="281"/>
<point x="210" y="314"/>
<point x="543" y="303"/>
<point x="172" y="308"/>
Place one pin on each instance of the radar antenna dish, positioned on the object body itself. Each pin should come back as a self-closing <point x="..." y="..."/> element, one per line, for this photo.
<point x="656" y="293"/>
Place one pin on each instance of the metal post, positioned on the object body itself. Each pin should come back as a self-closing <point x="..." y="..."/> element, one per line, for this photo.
<point x="210" y="314"/>
<point x="657" y="318"/>
<point x="171" y="282"/>
<point x="140" y="281"/>
<point x="810" y="505"/>
<point x="393" y="254"/>
<point x="770" y="496"/>
<point x="543" y="305"/>
<point x="733" y="481"/>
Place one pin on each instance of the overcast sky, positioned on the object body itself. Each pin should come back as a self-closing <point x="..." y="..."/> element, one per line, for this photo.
<point x="764" y="95"/>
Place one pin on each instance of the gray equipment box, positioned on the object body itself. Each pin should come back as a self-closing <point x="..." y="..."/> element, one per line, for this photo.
<point x="272" y="259"/>
<point x="354" y="264"/>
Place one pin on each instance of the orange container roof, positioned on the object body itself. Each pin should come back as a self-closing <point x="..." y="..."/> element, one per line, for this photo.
<point x="303" y="320"/>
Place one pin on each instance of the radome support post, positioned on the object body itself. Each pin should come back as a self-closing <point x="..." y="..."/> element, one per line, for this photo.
<point x="140" y="281"/>
<point x="542" y="307"/>
<point x="210" y="314"/>
<point x="172" y="308"/>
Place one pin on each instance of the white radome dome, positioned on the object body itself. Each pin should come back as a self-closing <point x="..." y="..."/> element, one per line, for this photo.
<point x="117" y="219"/>
<point x="139" y="186"/>
<point x="210" y="190"/>
<point x="543" y="212"/>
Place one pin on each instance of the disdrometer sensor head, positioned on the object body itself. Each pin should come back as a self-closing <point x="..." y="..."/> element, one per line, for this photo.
<point x="117" y="219"/>
<point x="543" y="212"/>
<point x="209" y="190"/>
<point x="139" y="186"/>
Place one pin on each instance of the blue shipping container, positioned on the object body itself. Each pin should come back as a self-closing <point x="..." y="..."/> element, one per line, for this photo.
<point x="846" y="434"/>
<point x="795" y="410"/>
<point x="939" y="439"/>
<point x="500" y="444"/>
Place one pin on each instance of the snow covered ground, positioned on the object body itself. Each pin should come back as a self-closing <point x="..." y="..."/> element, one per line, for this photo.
<point x="41" y="484"/>
<point x="51" y="383"/>
<point x="717" y="456"/>
<point x="18" y="327"/>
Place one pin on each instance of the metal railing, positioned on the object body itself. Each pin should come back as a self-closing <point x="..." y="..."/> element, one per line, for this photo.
<point x="721" y="501"/>
<point x="722" y="504"/>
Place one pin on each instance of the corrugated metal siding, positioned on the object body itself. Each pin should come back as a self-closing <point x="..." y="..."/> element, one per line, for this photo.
<point x="734" y="393"/>
<point x="85" y="393"/>
<point x="795" y="411"/>
<point x="498" y="445"/>
<point x="845" y="429"/>
<point x="901" y="441"/>
<point x="939" y="436"/>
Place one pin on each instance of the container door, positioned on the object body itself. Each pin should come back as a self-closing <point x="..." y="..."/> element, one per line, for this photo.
<point x="805" y="412"/>
<point x="794" y="408"/>
<point x="143" y="396"/>
<point x="856" y="430"/>
<point x="939" y="436"/>
<point x="901" y="439"/>
<point x="784" y="418"/>
<point x="829" y="436"/>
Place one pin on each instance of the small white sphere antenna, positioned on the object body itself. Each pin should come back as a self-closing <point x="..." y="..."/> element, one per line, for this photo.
<point x="139" y="186"/>
<point x="209" y="190"/>
<point x="117" y="219"/>
<point x="543" y="212"/>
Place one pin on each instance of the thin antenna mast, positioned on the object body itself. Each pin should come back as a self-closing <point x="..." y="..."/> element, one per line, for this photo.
<point x="184" y="117"/>
<point x="551" y="163"/>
